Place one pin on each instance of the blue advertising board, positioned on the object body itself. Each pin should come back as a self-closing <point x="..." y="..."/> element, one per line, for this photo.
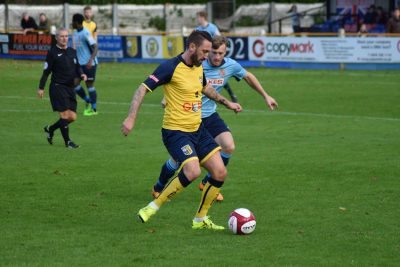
<point x="110" y="46"/>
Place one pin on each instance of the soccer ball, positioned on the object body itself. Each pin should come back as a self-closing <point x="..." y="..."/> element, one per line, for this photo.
<point x="242" y="222"/>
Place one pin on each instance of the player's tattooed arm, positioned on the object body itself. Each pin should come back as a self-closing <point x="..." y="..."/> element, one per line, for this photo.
<point x="211" y="93"/>
<point x="137" y="100"/>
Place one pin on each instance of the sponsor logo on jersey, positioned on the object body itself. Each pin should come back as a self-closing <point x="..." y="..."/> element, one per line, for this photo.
<point x="195" y="106"/>
<point x="219" y="81"/>
<point x="187" y="150"/>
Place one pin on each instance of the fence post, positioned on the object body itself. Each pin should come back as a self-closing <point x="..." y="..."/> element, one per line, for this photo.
<point x="6" y="16"/>
<point x="115" y="19"/>
<point x="66" y="15"/>
<point x="270" y="18"/>
<point x="209" y="10"/>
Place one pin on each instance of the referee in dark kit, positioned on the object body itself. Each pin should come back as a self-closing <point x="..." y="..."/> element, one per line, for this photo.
<point x="62" y="62"/>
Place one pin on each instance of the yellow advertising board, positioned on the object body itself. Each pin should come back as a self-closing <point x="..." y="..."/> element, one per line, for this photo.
<point x="172" y="46"/>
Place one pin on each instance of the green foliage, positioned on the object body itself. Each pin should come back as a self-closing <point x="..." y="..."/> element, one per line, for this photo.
<point x="248" y="21"/>
<point x="158" y="23"/>
<point x="321" y="174"/>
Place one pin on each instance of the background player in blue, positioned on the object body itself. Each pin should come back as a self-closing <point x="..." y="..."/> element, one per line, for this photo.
<point x="212" y="29"/>
<point x="218" y="70"/>
<point x="86" y="49"/>
<point x="204" y="25"/>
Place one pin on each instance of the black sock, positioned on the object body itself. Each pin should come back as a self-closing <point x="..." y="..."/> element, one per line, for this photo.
<point x="64" y="130"/>
<point x="55" y="126"/>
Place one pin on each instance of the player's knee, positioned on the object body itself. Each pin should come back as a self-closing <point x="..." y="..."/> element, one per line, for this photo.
<point x="229" y="148"/>
<point x="192" y="172"/>
<point x="71" y="116"/>
<point x="220" y="174"/>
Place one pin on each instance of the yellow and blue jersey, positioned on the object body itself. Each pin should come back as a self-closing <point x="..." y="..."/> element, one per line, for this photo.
<point x="183" y="85"/>
<point x="218" y="76"/>
<point x="91" y="26"/>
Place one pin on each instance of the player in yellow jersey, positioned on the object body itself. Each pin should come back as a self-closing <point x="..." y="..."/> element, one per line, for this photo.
<point x="184" y="135"/>
<point x="88" y="23"/>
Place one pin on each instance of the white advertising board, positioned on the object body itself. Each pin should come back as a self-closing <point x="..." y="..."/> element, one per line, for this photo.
<point x="152" y="46"/>
<point x="325" y="50"/>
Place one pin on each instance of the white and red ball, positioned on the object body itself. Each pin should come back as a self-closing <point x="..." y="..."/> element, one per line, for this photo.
<point x="242" y="222"/>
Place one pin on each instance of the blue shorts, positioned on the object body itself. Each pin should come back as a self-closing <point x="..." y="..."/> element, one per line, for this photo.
<point x="90" y="73"/>
<point x="215" y="125"/>
<point x="184" y="146"/>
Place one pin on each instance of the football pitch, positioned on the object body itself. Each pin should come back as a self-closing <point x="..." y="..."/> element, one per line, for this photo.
<point x="321" y="175"/>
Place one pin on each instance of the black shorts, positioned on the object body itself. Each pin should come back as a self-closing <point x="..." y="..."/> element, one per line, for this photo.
<point x="90" y="73"/>
<point x="62" y="97"/>
<point x="185" y="146"/>
<point x="215" y="125"/>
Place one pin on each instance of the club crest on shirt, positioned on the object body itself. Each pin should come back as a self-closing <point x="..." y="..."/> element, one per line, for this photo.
<point x="201" y="80"/>
<point x="222" y="72"/>
<point x="187" y="150"/>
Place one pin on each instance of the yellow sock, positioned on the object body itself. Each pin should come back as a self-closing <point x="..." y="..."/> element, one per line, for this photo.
<point x="172" y="189"/>
<point x="208" y="196"/>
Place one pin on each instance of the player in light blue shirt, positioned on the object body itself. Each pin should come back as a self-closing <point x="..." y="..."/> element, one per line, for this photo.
<point x="86" y="48"/>
<point x="217" y="70"/>
<point x="204" y="25"/>
<point x="218" y="77"/>
<point x="212" y="29"/>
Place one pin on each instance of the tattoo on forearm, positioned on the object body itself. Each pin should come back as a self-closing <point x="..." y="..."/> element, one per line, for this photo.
<point x="222" y="101"/>
<point x="136" y="102"/>
<point x="212" y="94"/>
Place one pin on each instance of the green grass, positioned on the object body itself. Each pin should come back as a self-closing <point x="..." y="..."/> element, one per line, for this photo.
<point x="321" y="175"/>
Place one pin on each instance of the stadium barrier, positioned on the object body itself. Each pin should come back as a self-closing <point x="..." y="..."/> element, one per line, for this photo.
<point x="372" y="53"/>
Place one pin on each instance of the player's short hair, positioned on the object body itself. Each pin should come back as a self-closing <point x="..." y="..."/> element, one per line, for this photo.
<point x="78" y="18"/>
<point x="59" y="30"/>
<point x="219" y="40"/>
<point x="197" y="37"/>
<point x="87" y="8"/>
<point x="202" y="14"/>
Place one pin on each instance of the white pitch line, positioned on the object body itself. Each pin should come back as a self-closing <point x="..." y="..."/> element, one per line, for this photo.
<point x="245" y="111"/>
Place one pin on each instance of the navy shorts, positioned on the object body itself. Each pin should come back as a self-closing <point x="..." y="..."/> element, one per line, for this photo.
<point x="62" y="97"/>
<point x="183" y="146"/>
<point x="90" y="73"/>
<point x="215" y="125"/>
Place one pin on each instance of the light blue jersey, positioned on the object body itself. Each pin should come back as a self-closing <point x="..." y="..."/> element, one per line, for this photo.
<point x="218" y="77"/>
<point x="83" y="42"/>
<point x="210" y="28"/>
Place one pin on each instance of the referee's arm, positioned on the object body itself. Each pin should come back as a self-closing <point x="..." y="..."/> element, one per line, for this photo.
<point x="47" y="67"/>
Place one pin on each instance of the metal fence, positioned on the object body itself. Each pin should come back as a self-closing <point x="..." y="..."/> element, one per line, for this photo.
<point x="171" y="19"/>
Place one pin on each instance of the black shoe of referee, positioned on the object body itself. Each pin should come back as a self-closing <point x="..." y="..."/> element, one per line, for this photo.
<point x="49" y="135"/>
<point x="71" y="145"/>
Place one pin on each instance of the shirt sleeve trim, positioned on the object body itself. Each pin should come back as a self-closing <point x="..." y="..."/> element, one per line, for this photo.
<point x="148" y="88"/>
